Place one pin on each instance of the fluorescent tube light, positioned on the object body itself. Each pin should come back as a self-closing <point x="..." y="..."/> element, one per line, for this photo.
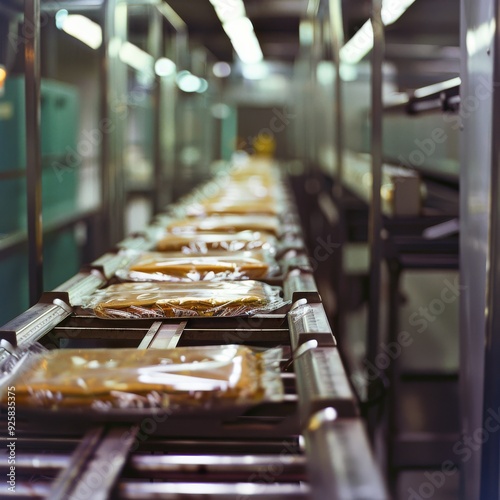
<point x="239" y="29"/>
<point x="135" y="57"/>
<point x="255" y="71"/>
<point x="359" y="45"/>
<point x="80" y="27"/>
<point x="228" y="13"/>
<point x="392" y="10"/>
<point x="248" y="49"/>
<point x="228" y="10"/>
<point x="362" y="42"/>
<point x="437" y="87"/>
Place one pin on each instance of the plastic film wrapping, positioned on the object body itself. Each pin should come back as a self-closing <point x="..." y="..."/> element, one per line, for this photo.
<point x="226" y="223"/>
<point x="204" y="242"/>
<point x="210" y="266"/>
<point x="230" y="205"/>
<point x="165" y="300"/>
<point x="104" y="379"/>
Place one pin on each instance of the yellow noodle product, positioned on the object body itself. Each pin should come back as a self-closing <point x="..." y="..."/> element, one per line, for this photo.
<point x="103" y="379"/>
<point x="203" y="242"/>
<point x="212" y="265"/>
<point x="164" y="300"/>
<point x="234" y="207"/>
<point x="228" y="223"/>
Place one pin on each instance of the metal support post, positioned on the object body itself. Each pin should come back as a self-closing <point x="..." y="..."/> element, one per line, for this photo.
<point x="33" y="149"/>
<point x="490" y="458"/>
<point x="375" y="215"/>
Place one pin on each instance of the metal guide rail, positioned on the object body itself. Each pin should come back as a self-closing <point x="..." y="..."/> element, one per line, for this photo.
<point x="310" y="444"/>
<point x="270" y="451"/>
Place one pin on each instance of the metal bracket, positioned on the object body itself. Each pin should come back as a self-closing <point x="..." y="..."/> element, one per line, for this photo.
<point x="107" y="265"/>
<point x="299" y="284"/>
<point x="34" y="323"/>
<point x="98" y="449"/>
<point x="322" y="382"/>
<point x="341" y="463"/>
<point x="82" y="284"/>
<point x="300" y="262"/>
<point x="308" y="320"/>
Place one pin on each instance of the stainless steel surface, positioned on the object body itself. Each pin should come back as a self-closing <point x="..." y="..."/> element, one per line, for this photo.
<point x="150" y="335"/>
<point x="25" y="490"/>
<point x="113" y="114"/>
<point x="375" y="210"/>
<point x="81" y="285"/>
<point x="64" y="483"/>
<point x="215" y="491"/>
<point x="33" y="148"/>
<point x="215" y="468"/>
<point x="96" y="465"/>
<point x="322" y="382"/>
<point x="156" y="43"/>
<point x="35" y="462"/>
<point x="162" y="336"/>
<point x="297" y="353"/>
<point x="136" y="242"/>
<point x="330" y="444"/>
<point x="337" y="35"/>
<point x="36" y="322"/>
<point x="478" y="55"/>
<point x="109" y="263"/>
<point x="172" y="17"/>
<point x="490" y="457"/>
<point x="73" y="5"/>
<point x="308" y="321"/>
<point x="298" y="281"/>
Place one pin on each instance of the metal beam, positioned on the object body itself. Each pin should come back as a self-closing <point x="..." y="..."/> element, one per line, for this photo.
<point x="33" y="149"/>
<point x="172" y="17"/>
<point x="490" y="457"/>
<point x="375" y="211"/>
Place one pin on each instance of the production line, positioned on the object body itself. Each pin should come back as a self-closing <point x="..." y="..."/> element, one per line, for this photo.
<point x="306" y="441"/>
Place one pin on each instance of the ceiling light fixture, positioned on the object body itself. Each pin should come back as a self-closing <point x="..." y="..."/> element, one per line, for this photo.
<point x="437" y="87"/>
<point x="239" y="29"/>
<point x="80" y="27"/>
<point x="136" y="58"/>
<point x="255" y="71"/>
<point x="362" y="42"/>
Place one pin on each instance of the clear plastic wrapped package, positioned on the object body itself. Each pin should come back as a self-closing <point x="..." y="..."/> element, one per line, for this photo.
<point x="210" y="266"/>
<point x="185" y="377"/>
<point x="165" y="300"/>
<point x="228" y="223"/>
<point x="204" y="242"/>
<point x="230" y="206"/>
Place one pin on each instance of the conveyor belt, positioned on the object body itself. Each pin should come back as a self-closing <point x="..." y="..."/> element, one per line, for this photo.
<point x="269" y="465"/>
<point x="311" y="444"/>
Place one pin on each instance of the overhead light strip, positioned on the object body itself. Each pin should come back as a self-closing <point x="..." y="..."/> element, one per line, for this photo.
<point x="362" y="42"/>
<point x="437" y="87"/>
<point x="136" y="58"/>
<point x="239" y="29"/>
<point x="80" y="27"/>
